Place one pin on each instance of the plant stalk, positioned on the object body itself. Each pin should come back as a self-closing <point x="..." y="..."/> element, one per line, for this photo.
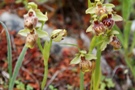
<point x="45" y="74"/>
<point x="97" y="72"/>
<point x="38" y="41"/>
<point x="46" y="54"/>
<point x="81" y="80"/>
<point x="39" y="45"/>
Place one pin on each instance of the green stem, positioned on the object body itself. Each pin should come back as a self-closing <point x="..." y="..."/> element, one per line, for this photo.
<point x="45" y="75"/>
<point x="46" y="54"/>
<point x="89" y="3"/>
<point x="9" y="53"/>
<point x="92" y="81"/>
<point x="91" y="47"/>
<point x="17" y="68"/>
<point x="97" y="72"/>
<point x="81" y="80"/>
<point x="39" y="45"/>
<point x="38" y="41"/>
<point x="42" y="25"/>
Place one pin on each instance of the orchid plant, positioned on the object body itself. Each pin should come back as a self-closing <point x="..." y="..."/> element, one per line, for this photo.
<point x="102" y="20"/>
<point x="33" y="35"/>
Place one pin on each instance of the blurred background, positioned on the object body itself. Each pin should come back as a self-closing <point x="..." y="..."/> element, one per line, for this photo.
<point x="69" y="15"/>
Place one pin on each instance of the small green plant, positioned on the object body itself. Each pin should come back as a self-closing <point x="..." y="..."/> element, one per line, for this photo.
<point x="21" y="86"/>
<point x="28" y="87"/>
<point x="51" y="87"/>
<point x="106" y="83"/>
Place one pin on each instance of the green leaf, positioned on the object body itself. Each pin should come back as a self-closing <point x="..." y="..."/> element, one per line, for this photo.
<point x="51" y="87"/>
<point x="46" y="54"/>
<point x="102" y="87"/>
<point x="71" y="45"/>
<point x="17" y="82"/>
<point x="9" y="52"/>
<point x="28" y="87"/>
<point x="90" y="28"/>
<point x="41" y="33"/>
<point x="21" y="86"/>
<point x="83" y="52"/>
<point x="24" y="32"/>
<point x="117" y="18"/>
<point x="109" y="6"/>
<point x="91" y="10"/>
<point x="92" y="44"/>
<point x="127" y="28"/>
<point x="133" y="42"/>
<point x="32" y="5"/>
<point x="17" y="67"/>
<point x="46" y="50"/>
<point x="110" y="83"/>
<point x="99" y="40"/>
<point x="104" y="45"/>
<point x="126" y="9"/>
<point x="90" y="56"/>
<point x="41" y="16"/>
<point x="76" y="60"/>
<point x="114" y="32"/>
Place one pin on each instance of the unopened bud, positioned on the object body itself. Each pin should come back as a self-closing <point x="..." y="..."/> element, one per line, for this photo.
<point x="58" y="35"/>
<point x="115" y="43"/>
<point x="100" y="9"/>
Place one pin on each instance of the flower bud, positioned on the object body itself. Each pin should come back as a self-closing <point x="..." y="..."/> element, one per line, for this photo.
<point x="100" y="9"/>
<point x="58" y="35"/>
<point x="31" y="40"/>
<point x="108" y="21"/>
<point x="115" y="43"/>
<point x="30" y="20"/>
<point x="98" y="27"/>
